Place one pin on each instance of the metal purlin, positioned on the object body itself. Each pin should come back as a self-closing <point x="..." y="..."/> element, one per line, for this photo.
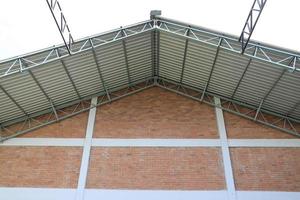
<point x="280" y="122"/>
<point x="157" y="26"/>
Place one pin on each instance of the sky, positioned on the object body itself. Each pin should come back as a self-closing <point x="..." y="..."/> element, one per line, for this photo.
<point x="27" y="26"/>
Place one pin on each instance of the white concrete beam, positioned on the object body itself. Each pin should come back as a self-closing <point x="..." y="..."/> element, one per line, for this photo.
<point x="225" y="151"/>
<point x="116" y="142"/>
<point x="72" y="142"/>
<point x="96" y="194"/>
<point x="86" y="151"/>
<point x="286" y="143"/>
<point x="156" y="142"/>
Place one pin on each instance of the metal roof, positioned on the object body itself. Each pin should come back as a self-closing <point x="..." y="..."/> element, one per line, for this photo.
<point x="187" y="59"/>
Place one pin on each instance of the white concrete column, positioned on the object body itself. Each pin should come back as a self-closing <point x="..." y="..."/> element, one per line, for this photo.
<point x="225" y="151"/>
<point x="86" y="151"/>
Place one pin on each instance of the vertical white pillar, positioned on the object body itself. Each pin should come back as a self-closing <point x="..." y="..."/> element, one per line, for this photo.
<point x="86" y="151"/>
<point x="225" y="151"/>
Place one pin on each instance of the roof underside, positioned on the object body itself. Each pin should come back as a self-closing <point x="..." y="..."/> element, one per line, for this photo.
<point x="160" y="52"/>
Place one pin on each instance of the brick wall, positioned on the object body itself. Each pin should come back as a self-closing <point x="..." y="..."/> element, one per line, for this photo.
<point x="275" y="169"/>
<point x="156" y="168"/>
<point x="39" y="166"/>
<point x="73" y="127"/>
<point x="156" y="113"/>
<point x="242" y="128"/>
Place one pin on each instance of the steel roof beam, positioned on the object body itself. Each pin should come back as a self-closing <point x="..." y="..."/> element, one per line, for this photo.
<point x="42" y="90"/>
<point x="293" y="109"/>
<point x="14" y="101"/>
<point x="231" y="43"/>
<point x="99" y="71"/>
<point x="243" y="74"/>
<point x="153" y="54"/>
<point x="158" y="49"/>
<point x="68" y="74"/>
<point x="270" y="90"/>
<point x="240" y="80"/>
<point x="9" y="66"/>
<point x="162" y="80"/>
<point x="187" y="33"/>
<point x="173" y="86"/>
<point x="38" y="84"/>
<point x="44" y="93"/>
<point x="203" y="92"/>
<point x="249" y="26"/>
<point x="125" y="55"/>
<point x="81" y="109"/>
<point x="54" y="110"/>
<point x="155" y="50"/>
<point x="267" y="94"/>
<point x="214" y="62"/>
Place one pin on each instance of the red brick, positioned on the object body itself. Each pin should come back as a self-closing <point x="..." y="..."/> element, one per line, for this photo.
<point x="242" y="128"/>
<point x="73" y="127"/>
<point x="56" y="167"/>
<point x="156" y="113"/>
<point x="156" y="168"/>
<point x="271" y="169"/>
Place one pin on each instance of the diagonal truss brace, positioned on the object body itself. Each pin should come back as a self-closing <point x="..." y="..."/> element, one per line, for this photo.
<point x="267" y="94"/>
<point x="251" y="22"/>
<point x="279" y="122"/>
<point x="36" y="59"/>
<point x="68" y="74"/>
<point x="214" y="63"/>
<point x="123" y="33"/>
<point x="99" y="70"/>
<point x="44" y="93"/>
<point x="34" y="122"/>
<point x="11" y="66"/>
<point x="14" y="101"/>
<point x="148" y="26"/>
<point x="187" y="33"/>
<point x="262" y="52"/>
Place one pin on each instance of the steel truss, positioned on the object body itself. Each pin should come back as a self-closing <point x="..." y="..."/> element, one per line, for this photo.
<point x="278" y="122"/>
<point x="288" y="60"/>
<point x="61" y="23"/>
<point x="282" y="123"/>
<point x="284" y="59"/>
<point x="74" y="108"/>
<point x="261" y="52"/>
<point x="12" y="66"/>
<point x="254" y="14"/>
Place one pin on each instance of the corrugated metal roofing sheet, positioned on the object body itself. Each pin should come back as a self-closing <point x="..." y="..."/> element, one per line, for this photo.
<point x="263" y="76"/>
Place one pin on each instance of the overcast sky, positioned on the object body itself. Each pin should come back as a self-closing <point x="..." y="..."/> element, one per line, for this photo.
<point x="27" y="26"/>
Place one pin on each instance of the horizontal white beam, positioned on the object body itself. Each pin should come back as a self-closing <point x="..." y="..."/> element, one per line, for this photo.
<point x="267" y="195"/>
<point x="43" y="142"/>
<point x="264" y="142"/>
<point x="111" y="142"/>
<point x="156" y="142"/>
<point x="37" y="193"/>
<point x="95" y="194"/>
